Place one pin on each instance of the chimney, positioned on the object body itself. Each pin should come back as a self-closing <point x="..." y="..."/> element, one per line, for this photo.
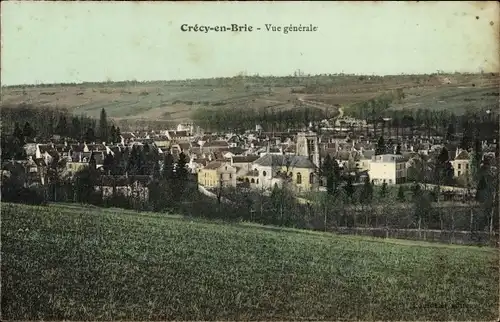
<point x="457" y="152"/>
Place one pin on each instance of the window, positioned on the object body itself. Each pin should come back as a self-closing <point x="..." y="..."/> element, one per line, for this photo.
<point x="311" y="178"/>
<point x="390" y="180"/>
<point x="256" y="171"/>
<point x="253" y="180"/>
<point x="257" y="181"/>
<point x="459" y="172"/>
<point x="460" y="166"/>
<point x="466" y="166"/>
<point x="221" y="176"/>
<point x="264" y="173"/>
<point x="230" y="176"/>
<point x="299" y="178"/>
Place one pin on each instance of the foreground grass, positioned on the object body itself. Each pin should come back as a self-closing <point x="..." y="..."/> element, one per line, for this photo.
<point x="92" y="264"/>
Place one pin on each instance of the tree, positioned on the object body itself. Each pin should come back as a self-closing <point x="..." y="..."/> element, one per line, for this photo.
<point x="89" y="135"/>
<point x="443" y="170"/>
<point x="112" y="135"/>
<point x="181" y="168"/>
<point x="475" y="162"/>
<point x="348" y="187"/>
<point x="62" y="126"/>
<point x="28" y="131"/>
<point x="416" y="171"/>
<point x="485" y="194"/>
<point x="54" y="173"/>
<point x="180" y="179"/>
<point x="168" y="166"/>
<point x="103" y="127"/>
<point x="156" y="198"/>
<point x="108" y="163"/>
<point x="118" y="135"/>
<point x="450" y="132"/>
<point x="328" y="172"/>
<point x="85" y="181"/>
<point x="467" y="135"/>
<point x="136" y="161"/>
<point x="6" y="148"/>
<point x="76" y="128"/>
<point x="380" y="148"/>
<point x="156" y="170"/>
<point x="280" y="199"/>
<point x="367" y="191"/>
<point x="92" y="162"/>
<point x="401" y="194"/>
<point x="383" y="190"/>
<point x="18" y="134"/>
<point x="398" y="149"/>
<point x="422" y="206"/>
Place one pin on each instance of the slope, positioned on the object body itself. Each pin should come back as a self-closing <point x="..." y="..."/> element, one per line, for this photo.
<point x="74" y="263"/>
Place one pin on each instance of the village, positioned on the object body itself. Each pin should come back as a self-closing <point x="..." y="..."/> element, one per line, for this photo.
<point x="261" y="160"/>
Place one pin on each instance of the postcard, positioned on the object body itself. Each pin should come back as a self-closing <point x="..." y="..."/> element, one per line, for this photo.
<point x="249" y="160"/>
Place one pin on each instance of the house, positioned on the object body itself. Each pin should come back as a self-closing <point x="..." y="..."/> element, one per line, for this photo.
<point x="460" y="163"/>
<point x="217" y="145"/>
<point x="271" y="169"/>
<point x="178" y="136"/>
<point x="161" y="141"/>
<point x="127" y="137"/>
<point x="79" y="160"/>
<point x="127" y="186"/>
<point x="388" y="168"/>
<point x="216" y="173"/>
<point x="187" y="127"/>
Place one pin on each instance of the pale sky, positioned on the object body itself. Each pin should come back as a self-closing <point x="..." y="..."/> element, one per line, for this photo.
<point x="54" y="42"/>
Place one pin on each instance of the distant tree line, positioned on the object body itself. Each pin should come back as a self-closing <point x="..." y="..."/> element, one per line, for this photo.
<point x="241" y="118"/>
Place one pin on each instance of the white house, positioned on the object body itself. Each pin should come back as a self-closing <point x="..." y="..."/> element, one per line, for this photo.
<point x="189" y="128"/>
<point x="389" y="168"/>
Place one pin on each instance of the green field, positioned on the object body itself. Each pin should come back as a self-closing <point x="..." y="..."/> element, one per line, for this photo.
<point x="74" y="263"/>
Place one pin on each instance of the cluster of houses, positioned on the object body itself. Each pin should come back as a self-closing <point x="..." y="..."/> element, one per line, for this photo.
<point x="258" y="159"/>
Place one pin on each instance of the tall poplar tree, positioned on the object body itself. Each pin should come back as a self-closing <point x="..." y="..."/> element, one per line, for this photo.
<point x="103" y="127"/>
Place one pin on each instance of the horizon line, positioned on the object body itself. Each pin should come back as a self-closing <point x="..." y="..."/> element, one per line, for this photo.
<point x="243" y="75"/>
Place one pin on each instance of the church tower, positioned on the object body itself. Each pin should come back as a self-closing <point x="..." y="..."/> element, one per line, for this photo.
<point x="307" y="145"/>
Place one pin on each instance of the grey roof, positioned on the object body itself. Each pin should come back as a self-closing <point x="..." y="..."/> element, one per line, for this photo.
<point x="276" y="160"/>
<point x="368" y="154"/>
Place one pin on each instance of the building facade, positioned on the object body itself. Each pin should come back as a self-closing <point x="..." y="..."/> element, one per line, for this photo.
<point x="388" y="168"/>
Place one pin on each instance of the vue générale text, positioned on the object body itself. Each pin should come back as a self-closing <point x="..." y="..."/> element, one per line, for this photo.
<point x="285" y="29"/>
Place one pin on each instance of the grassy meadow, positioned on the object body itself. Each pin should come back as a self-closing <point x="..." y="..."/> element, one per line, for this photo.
<point x="76" y="263"/>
